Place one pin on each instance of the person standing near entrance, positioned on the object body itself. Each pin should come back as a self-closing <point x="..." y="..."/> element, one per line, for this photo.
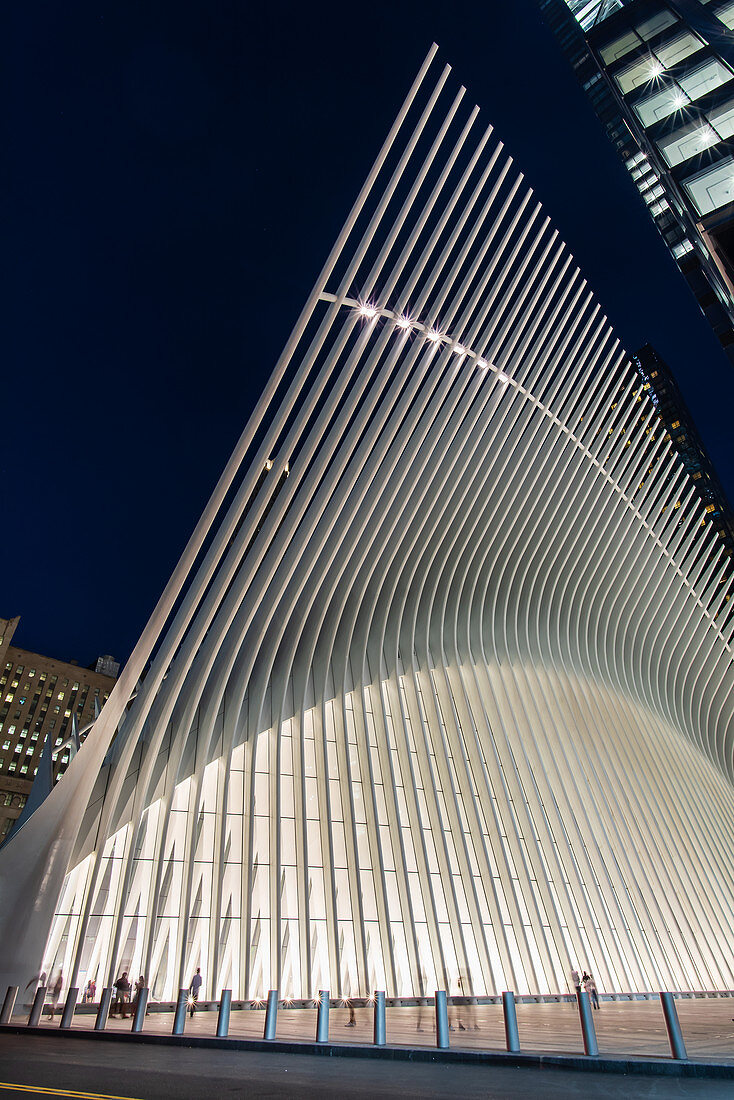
<point x="122" y="1000"/>
<point x="139" y="987"/>
<point x="590" y="987"/>
<point x="194" y="992"/>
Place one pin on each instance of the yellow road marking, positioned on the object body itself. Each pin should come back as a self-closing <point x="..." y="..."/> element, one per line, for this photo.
<point x="42" y="1091"/>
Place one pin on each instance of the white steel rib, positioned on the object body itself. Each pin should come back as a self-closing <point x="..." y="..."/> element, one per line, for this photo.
<point x="446" y="700"/>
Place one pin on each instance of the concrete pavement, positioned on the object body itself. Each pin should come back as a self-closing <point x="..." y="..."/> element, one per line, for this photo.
<point x="624" y="1029"/>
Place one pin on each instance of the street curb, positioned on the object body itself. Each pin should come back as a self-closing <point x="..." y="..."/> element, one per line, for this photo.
<point x="604" y="1064"/>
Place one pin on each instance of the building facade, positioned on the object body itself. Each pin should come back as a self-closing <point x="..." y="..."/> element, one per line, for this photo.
<point x="676" y="418"/>
<point x="451" y="708"/>
<point x="661" y="79"/>
<point x="39" y="696"/>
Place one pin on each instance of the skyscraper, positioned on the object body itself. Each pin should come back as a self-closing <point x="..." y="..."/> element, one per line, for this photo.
<point x="450" y="706"/>
<point x="42" y="699"/>
<point x="676" y="418"/>
<point x="661" y="79"/>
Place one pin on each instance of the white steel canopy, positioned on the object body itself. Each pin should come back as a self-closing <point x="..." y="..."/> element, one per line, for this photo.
<point x="447" y="699"/>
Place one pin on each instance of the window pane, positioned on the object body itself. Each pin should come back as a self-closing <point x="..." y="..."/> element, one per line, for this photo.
<point x="686" y="143"/>
<point x="589" y="13"/>
<point x="642" y="72"/>
<point x="670" y="53"/>
<point x="658" y="23"/>
<point x="712" y="74"/>
<point x="722" y="119"/>
<point x="726" y="15"/>
<point x="619" y="47"/>
<point x="712" y="188"/>
<point x="660" y="105"/>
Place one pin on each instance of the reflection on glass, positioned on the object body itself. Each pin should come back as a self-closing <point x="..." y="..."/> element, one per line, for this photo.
<point x="687" y="142"/>
<point x="656" y="24"/>
<point x="713" y="187"/>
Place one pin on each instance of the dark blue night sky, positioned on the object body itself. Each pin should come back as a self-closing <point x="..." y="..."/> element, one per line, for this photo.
<point x="175" y="175"/>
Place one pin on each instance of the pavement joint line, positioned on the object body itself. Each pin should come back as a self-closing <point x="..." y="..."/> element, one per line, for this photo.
<point x="663" y="1067"/>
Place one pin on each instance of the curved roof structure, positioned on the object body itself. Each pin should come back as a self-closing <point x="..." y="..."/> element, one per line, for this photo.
<point x="446" y="698"/>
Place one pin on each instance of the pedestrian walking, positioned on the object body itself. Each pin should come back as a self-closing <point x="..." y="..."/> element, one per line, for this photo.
<point x="576" y="981"/>
<point x="194" y="992"/>
<point x="470" y="1002"/>
<point x="55" y="995"/>
<point x="37" y="983"/>
<point x="122" y="998"/>
<point x="590" y="987"/>
<point x="139" y="987"/>
<point x="456" y="1010"/>
<point x="421" y="1006"/>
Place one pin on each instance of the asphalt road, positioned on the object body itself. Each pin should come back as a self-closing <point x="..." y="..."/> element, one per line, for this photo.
<point x="50" y="1066"/>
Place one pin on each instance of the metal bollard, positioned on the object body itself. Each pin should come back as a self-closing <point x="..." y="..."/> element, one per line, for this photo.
<point x="587" y="1024"/>
<point x="37" y="1008"/>
<point x="225" y="1004"/>
<point x="675" y="1035"/>
<point x="271" y="1015"/>
<point x="512" y="1035"/>
<point x="322" y="1020"/>
<point x="140" y="1007"/>
<point x="380" y="1031"/>
<point x="8" y="1004"/>
<point x="69" y="1005"/>
<point x="179" y="1019"/>
<point x="442" y="1019"/>
<point x="104" y="1009"/>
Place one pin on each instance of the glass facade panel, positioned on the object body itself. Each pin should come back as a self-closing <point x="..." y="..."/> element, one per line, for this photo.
<point x="656" y="24"/>
<point x="722" y="119"/>
<point x="619" y="47"/>
<point x="689" y="87"/>
<point x="712" y="74"/>
<point x="590" y="12"/>
<point x="660" y="105"/>
<point x="680" y="47"/>
<point x="686" y="143"/>
<point x="642" y="72"/>
<point x="712" y="188"/>
<point x="726" y="14"/>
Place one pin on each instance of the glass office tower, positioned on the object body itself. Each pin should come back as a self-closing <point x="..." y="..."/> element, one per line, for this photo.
<point x="661" y="79"/>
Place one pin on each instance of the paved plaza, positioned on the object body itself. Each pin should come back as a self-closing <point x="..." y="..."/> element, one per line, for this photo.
<point x="626" y="1028"/>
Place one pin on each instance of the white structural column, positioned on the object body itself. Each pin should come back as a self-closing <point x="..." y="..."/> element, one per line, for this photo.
<point x="448" y="702"/>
